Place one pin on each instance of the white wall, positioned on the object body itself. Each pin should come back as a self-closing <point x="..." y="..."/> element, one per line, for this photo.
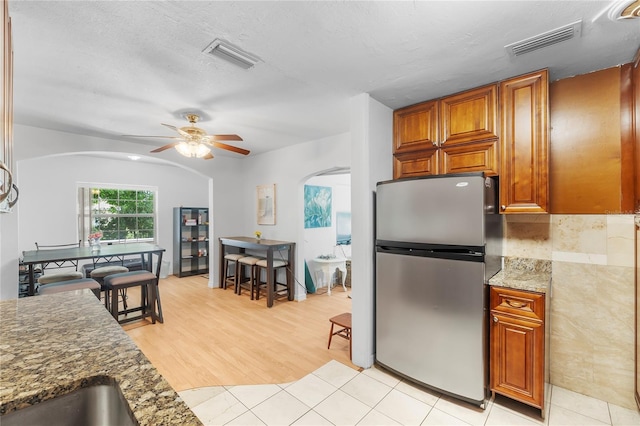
<point x="366" y="150"/>
<point x="371" y="136"/>
<point x="32" y="143"/>
<point x="289" y="168"/>
<point x="48" y="207"/>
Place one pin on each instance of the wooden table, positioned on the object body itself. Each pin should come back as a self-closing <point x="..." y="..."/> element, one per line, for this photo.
<point x="109" y="252"/>
<point x="268" y="247"/>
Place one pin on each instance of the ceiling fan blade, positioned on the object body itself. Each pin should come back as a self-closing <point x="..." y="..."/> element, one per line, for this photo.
<point x="182" y="132"/>
<point x="229" y="147"/>
<point x="143" y="136"/>
<point x="225" y="137"/>
<point x="209" y="156"/>
<point x="165" y="147"/>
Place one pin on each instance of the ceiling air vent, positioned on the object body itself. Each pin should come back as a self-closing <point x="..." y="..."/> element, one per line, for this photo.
<point x="543" y="40"/>
<point x="227" y="51"/>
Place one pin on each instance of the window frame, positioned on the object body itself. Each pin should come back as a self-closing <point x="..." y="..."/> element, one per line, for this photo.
<point x="85" y="214"/>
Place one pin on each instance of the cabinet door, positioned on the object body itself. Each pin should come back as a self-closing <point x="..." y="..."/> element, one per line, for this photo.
<point x="474" y="157"/>
<point x="517" y="363"/>
<point x="421" y="163"/>
<point x="524" y="186"/>
<point x="415" y="127"/>
<point x="469" y="116"/>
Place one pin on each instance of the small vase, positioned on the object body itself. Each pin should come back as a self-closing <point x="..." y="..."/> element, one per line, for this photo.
<point x="94" y="243"/>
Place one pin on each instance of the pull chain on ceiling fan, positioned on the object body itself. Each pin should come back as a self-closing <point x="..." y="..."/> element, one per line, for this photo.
<point x="195" y="142"/>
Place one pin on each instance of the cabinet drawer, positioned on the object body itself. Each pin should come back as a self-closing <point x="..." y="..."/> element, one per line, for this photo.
<point x="474" y="157"/>
<point x="518" y="303"/>
<point x="421" y="163"/>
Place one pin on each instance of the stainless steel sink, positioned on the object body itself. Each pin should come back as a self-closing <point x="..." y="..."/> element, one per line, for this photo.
<point x="97" y="405"/>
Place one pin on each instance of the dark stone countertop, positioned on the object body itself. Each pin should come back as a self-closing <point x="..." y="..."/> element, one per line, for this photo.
<point x="524" y="274"/>
<point x="53" y="344"/>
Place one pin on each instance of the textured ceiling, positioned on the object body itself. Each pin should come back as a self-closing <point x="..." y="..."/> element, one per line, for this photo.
<point x="108" y="68"/>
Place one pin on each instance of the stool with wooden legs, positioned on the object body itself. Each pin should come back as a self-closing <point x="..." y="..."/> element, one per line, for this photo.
<point x="99" y="275"/>
<point x="344" y="321"/>
<point x="148" y="283"/>
<point x="242" y="283"/>
<point x="230" y="279"/>
<point x="71" y="285"/>
<point x="277" y="287"/>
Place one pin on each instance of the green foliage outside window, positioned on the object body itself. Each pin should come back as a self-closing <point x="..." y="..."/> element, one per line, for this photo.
<point x="123" y="214"/>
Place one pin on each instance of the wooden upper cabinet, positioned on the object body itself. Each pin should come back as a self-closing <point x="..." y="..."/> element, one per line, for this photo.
<point x="417" y="163"/>
<point x="451" y="135"/>
<point x="524" y="185"/>
<point x="415" y="127"/>
<point x="469" y="116"/>
<point x="592" y="150"/>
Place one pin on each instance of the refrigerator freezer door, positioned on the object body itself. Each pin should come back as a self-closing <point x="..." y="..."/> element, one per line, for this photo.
<point x="438" y="210"/>
<point x="430" y="322"/>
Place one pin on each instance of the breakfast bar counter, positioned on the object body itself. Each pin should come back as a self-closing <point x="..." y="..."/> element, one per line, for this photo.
<point x="52" y="345"/>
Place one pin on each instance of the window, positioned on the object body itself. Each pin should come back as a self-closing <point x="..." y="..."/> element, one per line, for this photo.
<point x="121" y="214"/>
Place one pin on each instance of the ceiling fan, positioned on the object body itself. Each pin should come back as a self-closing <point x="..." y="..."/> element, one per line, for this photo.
<point x="195" y="142"/>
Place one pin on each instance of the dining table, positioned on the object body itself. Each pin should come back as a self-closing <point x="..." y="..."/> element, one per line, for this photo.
<point x="107" y="252"/>
<point x="268" y="248"/>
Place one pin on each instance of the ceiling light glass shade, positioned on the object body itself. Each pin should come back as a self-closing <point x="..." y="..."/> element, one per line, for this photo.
<point x="192" y="149"/>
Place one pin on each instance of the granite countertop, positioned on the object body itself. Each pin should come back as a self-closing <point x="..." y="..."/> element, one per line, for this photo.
<point x="524" y="274"/>
<point x="54" y="344"/>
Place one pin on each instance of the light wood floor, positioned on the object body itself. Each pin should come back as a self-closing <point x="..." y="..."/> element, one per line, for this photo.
<point x="213" y="337"/>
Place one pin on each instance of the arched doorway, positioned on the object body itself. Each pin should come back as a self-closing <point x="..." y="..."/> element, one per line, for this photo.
<point x="326" y="231"/>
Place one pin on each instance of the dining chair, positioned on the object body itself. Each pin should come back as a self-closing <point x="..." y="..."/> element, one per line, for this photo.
<point x="53" y="277"/>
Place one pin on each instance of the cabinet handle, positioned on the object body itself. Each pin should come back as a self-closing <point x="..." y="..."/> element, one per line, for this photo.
<point x="495" y="319"/>
<point x="503" y="207"/>
<point x="515" y="304"/>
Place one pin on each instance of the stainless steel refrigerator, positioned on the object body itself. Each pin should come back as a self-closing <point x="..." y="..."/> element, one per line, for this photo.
<point x="438" y="241"/>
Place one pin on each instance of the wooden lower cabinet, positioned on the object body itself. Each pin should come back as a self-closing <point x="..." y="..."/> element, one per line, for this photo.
<point x="517" y="345"/>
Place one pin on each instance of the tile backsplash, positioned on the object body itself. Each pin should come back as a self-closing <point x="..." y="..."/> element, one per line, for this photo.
<point x="592" y="298"/>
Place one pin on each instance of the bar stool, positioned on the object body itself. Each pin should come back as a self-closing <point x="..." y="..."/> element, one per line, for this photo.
<point x="70" y="285"/>
<point x="230" y="280"/>
<point x="148" y="294"/>
<point x="344" y="321"/>
<point x="277" y="264"/>
<point x="99" y="275"/>
<point x="243" y="262"/>
<point x="58" y="276"/>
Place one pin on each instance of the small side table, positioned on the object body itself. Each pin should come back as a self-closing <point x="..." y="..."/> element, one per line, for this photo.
<point x="326" y="268"/>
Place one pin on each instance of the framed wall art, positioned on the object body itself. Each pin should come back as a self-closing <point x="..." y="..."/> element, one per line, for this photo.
<point x="317" y="206"/>
<point x="266" y="204"/>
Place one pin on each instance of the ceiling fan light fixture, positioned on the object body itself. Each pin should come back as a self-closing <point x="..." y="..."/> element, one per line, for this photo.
<point x="227" y="51"/>
<point x="625" y="10"/>
<point x="192" y="149"/>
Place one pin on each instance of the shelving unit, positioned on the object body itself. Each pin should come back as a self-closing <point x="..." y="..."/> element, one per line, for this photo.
<point x="190" y="241"/>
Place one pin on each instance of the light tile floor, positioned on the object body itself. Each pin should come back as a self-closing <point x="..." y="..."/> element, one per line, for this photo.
<point x="338" y="395"/>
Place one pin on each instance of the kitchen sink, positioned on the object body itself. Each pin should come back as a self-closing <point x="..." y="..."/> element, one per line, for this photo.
<point x="97" y="405"/>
